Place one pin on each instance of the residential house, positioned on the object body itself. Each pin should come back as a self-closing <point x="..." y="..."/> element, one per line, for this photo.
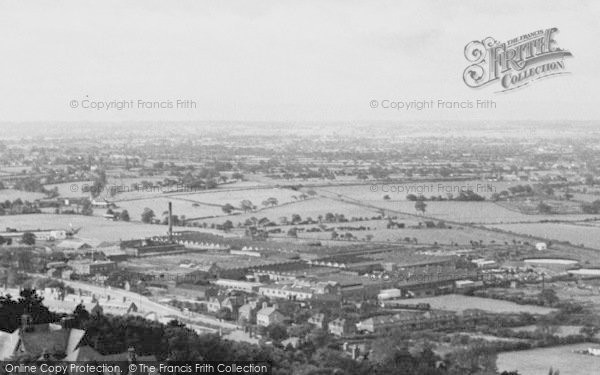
<point x="341" y="327"/>
<point x="35" y="340"/>
<point x="354" y="350"/>
<point x="214" y="304"/>
<point x="269" y="315"/>
<point x="247" y="312"/>
<point x="231" y="303"/>
<point x="318" y="320"/>
<point x="326" y="287"/>
<point x="55" y="269"/>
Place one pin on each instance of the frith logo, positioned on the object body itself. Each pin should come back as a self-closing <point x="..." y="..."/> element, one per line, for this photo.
<point x="514" y="63"/>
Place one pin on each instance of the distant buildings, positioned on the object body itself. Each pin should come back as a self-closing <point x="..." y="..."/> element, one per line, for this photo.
<point x="243" y="286"/>
<point x="389" y="294"/>
<point x="152" y="249"/>
<point x="89" y="267"/>
<point x="73" y="245"/>
<point x="286" y="291"/>
<point x="100" y="203"/>
<point x="414" y="320"/>
<point x="467" y="285"/>
<point x="484" y="263"/>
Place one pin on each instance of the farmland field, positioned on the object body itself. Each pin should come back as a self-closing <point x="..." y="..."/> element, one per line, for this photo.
<point x="126" y="182"/>
<point x="75" y="189"/>
<point x="204" y="204"/>
<point x="461" y="236"/>
<point x="538" y="361"/>
<point x="457" y="302"/>
<point x="576" y="234"/>
<point x="474" y="212"/>
<point x="93" y="228"/>
<point x="307" y="208"/>
<point x="465" y="212"/>
<point x="176" y="190"/>
<point x="398" y="191"/>
<point x="234" y="197"/>
<point x="586" y="197"/>
<point x="70" y="189"/>
<point x="161" y="204"/>
<point x="11" y="195"/>
<point x="584" y="295"/>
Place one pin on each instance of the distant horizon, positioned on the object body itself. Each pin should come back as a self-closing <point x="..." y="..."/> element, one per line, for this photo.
<point x="378" y="128"/>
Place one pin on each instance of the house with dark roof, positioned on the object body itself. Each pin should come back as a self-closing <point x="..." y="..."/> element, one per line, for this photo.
<point x="231" y="303"/>
<point x="35" y="340"/>
<point x="215" y="303"/>
<point x="49" y="341"/>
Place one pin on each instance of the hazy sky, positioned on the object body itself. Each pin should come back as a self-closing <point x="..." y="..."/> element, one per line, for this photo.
<point x="282" y="60"/>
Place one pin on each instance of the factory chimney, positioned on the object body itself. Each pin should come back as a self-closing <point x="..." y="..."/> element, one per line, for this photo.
<point x="170" y="222"/>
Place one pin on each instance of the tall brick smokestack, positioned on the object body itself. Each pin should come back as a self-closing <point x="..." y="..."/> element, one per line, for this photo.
<point x="170" y="222"/>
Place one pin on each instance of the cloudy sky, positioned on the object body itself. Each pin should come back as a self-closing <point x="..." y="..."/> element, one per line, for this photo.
<point x="281" y="60"/>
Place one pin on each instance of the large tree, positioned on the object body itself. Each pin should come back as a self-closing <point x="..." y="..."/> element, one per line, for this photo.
<point x="227" y="208"/>
<point x="420" y="205"/>
<point x="124" y="216"/>
<point x="28" y="238"/>
<point x="147" y="215"/>
<point x="30" y="303"/>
